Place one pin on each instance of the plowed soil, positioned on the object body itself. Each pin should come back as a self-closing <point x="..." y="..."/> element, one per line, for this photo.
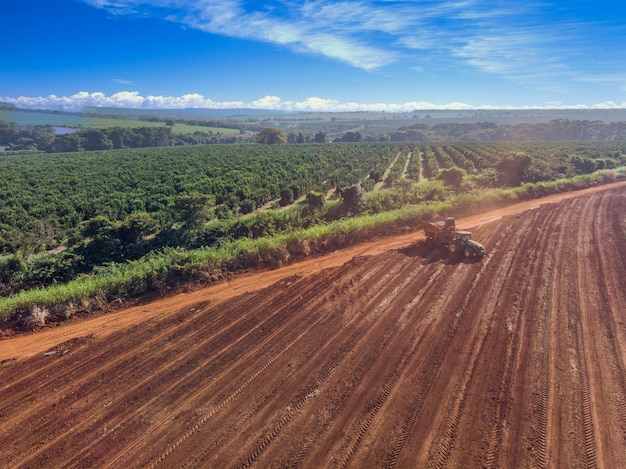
<point x="385" y="355"/>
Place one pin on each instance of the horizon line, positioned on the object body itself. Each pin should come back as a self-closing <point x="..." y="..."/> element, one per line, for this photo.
<point x="132" y="100"/>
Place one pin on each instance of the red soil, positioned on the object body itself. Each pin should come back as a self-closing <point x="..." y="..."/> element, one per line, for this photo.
<point x="381" y="355"/>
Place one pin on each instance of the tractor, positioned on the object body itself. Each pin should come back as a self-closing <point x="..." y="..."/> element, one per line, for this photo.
<point x="443" y="233"/>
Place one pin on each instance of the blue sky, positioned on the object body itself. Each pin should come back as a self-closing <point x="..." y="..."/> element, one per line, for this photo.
<point x="313" y="55"/>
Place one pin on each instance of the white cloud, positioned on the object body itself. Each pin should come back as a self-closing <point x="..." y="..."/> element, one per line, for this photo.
<point x="133" y="100"/>
<point x="608" y="105"/>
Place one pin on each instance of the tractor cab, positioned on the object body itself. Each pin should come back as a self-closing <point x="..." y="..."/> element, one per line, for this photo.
<point x="463" y="236"/>
<point x="464" y="244"/>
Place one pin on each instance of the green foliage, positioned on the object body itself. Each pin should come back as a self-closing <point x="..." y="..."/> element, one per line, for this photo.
<point x="453" y="177"/>
<point x="405" y="193"/>
<point x="512" y="169"/>
<point x="397" y="170"/>
<point x="354" y="198"/>
<point x="431" y="167"/>
<point x="320" y="137"/>
<point x="69" y="189"/>
<point x="119" y="206"/>
<point x="584" y="165"/>
<point x="286" y="197"/>
<point x="351" y="137"/>
<point x="414" y="166"/>
<point x="270" y="136"/>
<point x="191" y="209"/>
<point x="315" y="199"/>
<point x="157" y="269"/>
<point x="106" y="134"/>
<point x="558" y="130"/>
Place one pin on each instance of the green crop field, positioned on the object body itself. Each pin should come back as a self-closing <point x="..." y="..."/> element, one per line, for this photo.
<point x="79" y="121"/>
<point x="189" y="129"/>
<point x="130" y="219"/>
<point x="42" y="118"/>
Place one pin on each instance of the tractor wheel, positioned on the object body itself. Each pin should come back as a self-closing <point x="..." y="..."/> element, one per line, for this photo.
<point x="452" y="248"/>
<point x="469" y="252"/>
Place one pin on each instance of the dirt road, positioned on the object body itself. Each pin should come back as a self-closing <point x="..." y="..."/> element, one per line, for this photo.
<point x="369" y="357"/>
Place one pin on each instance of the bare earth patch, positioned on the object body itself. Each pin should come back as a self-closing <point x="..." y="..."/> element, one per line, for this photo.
<point x="373" y="356"/>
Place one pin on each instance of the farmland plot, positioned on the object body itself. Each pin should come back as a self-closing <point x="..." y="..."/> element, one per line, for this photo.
<point x="378" y="360"/>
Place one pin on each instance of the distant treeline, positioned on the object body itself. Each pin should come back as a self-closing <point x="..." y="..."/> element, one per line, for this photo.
<point x="556" y="130"/>
<point x="196" y="122"/>
<point x="43" y="138"/>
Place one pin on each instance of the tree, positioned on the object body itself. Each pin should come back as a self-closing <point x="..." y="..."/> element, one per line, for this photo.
<point x="135" y="227"/>
<point x="270" y="136"/>
<point x="65" y="143"/>
<point x="94" y="139"/>
<point x="320" y="137"/>
<point x="315" y="199"/>
<point x="512" y="169"/>
<point x="351" y="137"/>
<point x="354" y="198"/>
<point x="453" y="177"/>
<point x="286" y="196"/>
<point x="191" y="209"/>
<point x="583" y="165"/>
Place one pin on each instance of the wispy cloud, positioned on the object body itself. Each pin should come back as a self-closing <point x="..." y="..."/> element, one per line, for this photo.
<point x="519" y="41"/>
<point x="619" y="78"/>
<point x="134" y="100"/>
<point x="516" y="55"/>
<point x="121" y="81"/>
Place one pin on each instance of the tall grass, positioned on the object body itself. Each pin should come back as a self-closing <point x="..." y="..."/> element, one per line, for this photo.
<point x="174" y="265"/>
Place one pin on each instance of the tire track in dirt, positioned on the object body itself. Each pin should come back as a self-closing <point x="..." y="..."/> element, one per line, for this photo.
<point x="344" y="443"/>
<point x="616" y="254"/>
<point x="115" y="416"/>
<point x="379" y="303"/>
<point x="516" y="361"/>
<point x="404" y="360"/>
<point x="322" y="426"/>
<point x="534" y="351"/>
<point x="416" y="341"/>
<point x="387" y="305"/>
<point x="530" y="277"/>
<point x="127" y="368"/>
<point x="441" y="449"/>
<point x="346" y="279"/>
<point x="541" y="430"/>
<point x="605" y="354"/>
<point x="66" y="377"/>
<point x="583" y="290"/>
<point x="357" y="433"/>
<point x="422" y="379"/>
<point x="363" y="293"/>
<point x="311" y="301"/>
<point x="363" y="426"/>
<point x="528" y="295"/>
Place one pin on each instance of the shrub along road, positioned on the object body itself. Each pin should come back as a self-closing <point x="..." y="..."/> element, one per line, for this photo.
<point x="370" y="356"/>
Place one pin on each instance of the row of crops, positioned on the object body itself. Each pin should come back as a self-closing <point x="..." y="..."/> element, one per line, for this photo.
<point x="56" y="193"/>
<point x="522" y="161"/>
<point x="108" y="209"/>
<point x="63" y="190"/>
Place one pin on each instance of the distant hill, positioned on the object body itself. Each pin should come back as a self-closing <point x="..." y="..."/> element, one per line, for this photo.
<point x="386" y="119"/>
<point x="193" y="113"/>
<point x="497" y="116"/>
